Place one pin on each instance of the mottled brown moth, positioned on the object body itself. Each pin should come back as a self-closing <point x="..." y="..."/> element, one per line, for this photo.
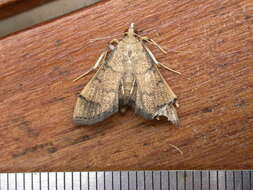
<point x="127" y="75"/>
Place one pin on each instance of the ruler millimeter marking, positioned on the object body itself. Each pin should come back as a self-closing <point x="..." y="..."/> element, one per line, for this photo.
<point x="130" y="180"/>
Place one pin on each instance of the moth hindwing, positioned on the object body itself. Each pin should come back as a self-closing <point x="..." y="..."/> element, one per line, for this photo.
<point x="127" y="75"/>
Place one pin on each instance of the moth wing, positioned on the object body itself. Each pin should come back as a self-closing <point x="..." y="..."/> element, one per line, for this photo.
<point x="154" y="97"/>
<point x="99" y="99"/>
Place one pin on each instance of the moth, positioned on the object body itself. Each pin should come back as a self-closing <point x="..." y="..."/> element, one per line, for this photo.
<point x="127" y="75"/>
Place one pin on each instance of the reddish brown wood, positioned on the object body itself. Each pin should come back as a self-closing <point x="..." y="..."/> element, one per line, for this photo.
<point x="12" y="7"/>
<point x="6" y="2"/>
<point x="215" y="92"/>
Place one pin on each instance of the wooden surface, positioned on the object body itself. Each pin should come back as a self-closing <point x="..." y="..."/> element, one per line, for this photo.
<point x="13" y="7"/>
<point x="6" y="2"/>
<point x="215" y="92"/>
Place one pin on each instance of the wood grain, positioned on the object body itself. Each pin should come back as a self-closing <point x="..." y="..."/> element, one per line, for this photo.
<point x="6" y="2"/>
<point x="214" y="45"/>
<point x="13" y="7"/>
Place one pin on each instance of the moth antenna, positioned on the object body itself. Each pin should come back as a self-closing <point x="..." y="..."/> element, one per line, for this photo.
<point x="104" y="38"/>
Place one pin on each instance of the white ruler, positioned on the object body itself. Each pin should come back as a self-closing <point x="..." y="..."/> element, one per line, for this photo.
<point x="129" y="180"/>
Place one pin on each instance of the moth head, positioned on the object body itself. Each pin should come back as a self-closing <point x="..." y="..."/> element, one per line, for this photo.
<point x="131" y="30"/>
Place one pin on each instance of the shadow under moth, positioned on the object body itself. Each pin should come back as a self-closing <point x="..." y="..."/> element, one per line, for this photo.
<point x="127" y="75"/>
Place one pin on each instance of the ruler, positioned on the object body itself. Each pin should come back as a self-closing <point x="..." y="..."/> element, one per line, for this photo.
<point x="130" y="180"/>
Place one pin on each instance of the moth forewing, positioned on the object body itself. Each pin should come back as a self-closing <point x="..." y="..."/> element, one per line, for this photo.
<point x="128" y="75"/>
<point x="154" y="96"/>
<point x="98" y="100"/>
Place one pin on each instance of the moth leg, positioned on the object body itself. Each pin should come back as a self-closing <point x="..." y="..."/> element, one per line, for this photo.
<point x="114" y="41"/>
<point x="122" y="87"/>
<point x="111" y="44"/>
<point x="158" y="63"/>
<point x="97" y="64"/>
<point x="151" y="41"/>
<point x="169" y="69"/>
<point x="132" y="90"/>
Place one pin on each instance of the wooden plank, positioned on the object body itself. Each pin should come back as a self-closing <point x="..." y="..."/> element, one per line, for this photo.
<point x="6" y="2"/>
<point x="12" y="7"/>
<point x="215" y="92"/>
